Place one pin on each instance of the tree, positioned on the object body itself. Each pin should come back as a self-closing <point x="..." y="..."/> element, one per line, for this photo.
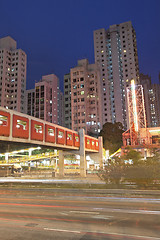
<point x="113" y="173"/>
<point x="143" y="172"/>
<point x="112" y="136"/>
<point x="134" y="155"/>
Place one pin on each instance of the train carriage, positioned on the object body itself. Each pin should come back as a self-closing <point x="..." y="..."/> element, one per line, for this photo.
<point x="37" y="129"/>
<point x="4" y="123"/>
<point x="49" y="133"/>
<point x="60" y="136"/>
<point x="20" y="127"/>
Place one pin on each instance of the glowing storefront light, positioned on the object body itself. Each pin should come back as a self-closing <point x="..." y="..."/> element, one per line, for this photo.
<point x="155" y="130"/>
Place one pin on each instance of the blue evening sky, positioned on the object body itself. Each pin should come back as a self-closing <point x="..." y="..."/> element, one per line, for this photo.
<point x="56" y="33"/>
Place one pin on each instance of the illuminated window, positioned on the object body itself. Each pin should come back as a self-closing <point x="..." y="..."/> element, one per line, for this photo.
<point x="38" y="128"/>
<point x="60" y="134"/>
<point x="69" y="136"/>
<point x="3" y="120"/>
<point x="88" y="141"/>
<point x="21" y="123"/>
<point x="50" y="131"/>
<point x="82" y="92"/>
<point x="76" y="138"/>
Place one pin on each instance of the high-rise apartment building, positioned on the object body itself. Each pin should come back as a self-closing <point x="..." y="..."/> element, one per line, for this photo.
<point x="152" y="100"/>
<point x="60" y="108"/>
<point x="85" y="97"/>
<point x="115" y="51"/>
<point x="43" y="101"/>
<point x="67" y="101"/>
<point x="13" y="63"/>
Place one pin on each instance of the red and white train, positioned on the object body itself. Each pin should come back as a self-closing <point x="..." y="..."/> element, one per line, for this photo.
<point x="22" y="126"/>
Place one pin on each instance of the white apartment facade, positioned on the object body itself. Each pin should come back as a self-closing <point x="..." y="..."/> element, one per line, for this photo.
<point x="115" y="51"/>
<point x="13" y="64"/>
<point x="85" y="97"/>
<point x="152" y="100"/>
<point x="67" y="101"/>
<point x="43" y="101"/>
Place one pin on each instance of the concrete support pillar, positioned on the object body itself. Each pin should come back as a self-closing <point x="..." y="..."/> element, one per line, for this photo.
<point x="29" y="166"/>
<point x="6" y="157"/>
<point x="82" y="153"/>
<point x="100" y="139"/>
<point x="30" y="152"/>
<point x="98" y="157"/>
<point x="61" y="163"/>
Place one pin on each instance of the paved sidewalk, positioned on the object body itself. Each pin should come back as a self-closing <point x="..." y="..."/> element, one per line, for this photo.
<point x="79" y="180"/>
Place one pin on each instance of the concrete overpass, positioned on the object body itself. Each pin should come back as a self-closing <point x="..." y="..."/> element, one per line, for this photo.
<point x="18" y="130"/>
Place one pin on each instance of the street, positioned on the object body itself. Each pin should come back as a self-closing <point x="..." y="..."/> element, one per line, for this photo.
<point x="73" y="214"/>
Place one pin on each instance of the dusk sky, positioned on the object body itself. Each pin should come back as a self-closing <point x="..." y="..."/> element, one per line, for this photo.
<point x="56" y="33"/>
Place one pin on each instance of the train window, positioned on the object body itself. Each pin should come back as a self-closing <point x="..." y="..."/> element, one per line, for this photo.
<point x="77" y="138"/>
<point x="96" y="144"/>
<point x="3" y="120"/>
<point x="38" y="128"/>
<point x="21" y="123"/>
<point x="92" y="143"/>
<point x="60" y="134"/>
<point x="51" y="131"/>
<point x="88" y="141"/>
<point x="69" y="136"/>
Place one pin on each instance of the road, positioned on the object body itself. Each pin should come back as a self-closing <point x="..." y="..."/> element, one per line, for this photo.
<point x="68" y="214"/>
